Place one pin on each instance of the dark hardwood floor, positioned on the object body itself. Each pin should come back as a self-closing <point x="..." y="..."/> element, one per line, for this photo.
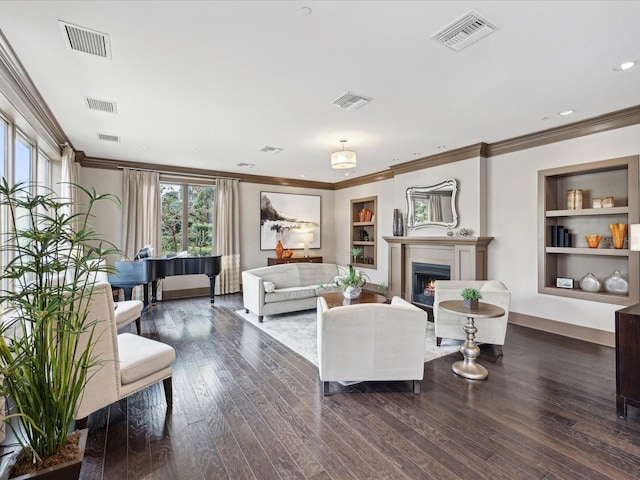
<point x="245" y="407"/>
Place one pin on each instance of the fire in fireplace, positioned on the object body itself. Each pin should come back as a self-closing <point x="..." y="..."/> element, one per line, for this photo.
<point x="424" y="278"/>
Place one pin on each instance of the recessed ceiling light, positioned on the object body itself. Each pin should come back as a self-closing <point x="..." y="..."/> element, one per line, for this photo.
<point x="303" y="176"/>
<point x="305" y="11"/>
<point x="565" y="113"/>
<point x="143" y="147"/>
<point x="195" y="150"/>
<point x="624" y="66"/>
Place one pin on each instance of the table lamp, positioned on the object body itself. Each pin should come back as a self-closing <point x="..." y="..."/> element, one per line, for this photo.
<point x="308" y="238"/>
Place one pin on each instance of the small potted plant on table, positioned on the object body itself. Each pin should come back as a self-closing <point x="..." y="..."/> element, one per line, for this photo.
<point x="351" y="282"/>
<point x="470" y="297"/>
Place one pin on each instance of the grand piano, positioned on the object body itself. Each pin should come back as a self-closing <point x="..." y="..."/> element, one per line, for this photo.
<point x="149" y="270"/>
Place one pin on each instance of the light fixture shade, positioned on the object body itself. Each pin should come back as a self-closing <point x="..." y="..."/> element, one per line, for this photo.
<point x="634" y="237"/>
<point x="343" y="159"/>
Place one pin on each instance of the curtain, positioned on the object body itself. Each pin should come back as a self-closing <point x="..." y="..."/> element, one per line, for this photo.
<point x="141" y="214"/>
<point x="226" y="238"/>
<point x="435" y="208"/>
<point x="69" y="180"/>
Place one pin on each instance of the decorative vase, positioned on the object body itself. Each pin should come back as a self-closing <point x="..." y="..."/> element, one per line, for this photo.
<point x="593" y="240"/>
<point x="352" y="292"/>
<point x="279" y="249"/>
<point x="470" y="302"/>
<point x="616" y="283"/>
<point x="398" y="226"/>
<point x="590" y="283"/>
<point x="618" y="232"/>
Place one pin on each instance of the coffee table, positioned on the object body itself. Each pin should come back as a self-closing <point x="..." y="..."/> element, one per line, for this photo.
<point x="336" y="299"/>
<point x="468" y="368"/>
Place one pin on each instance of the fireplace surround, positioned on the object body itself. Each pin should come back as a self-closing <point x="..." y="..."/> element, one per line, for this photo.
<point x="466" y="258"/>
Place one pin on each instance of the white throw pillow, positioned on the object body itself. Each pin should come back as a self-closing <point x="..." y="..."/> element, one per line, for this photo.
<point x="269" y="287"/>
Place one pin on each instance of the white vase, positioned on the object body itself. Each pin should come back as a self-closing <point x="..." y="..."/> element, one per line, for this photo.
<point x="590" y="283"/>
<point x="616" y="283"/>
<point x="352" y="292"/>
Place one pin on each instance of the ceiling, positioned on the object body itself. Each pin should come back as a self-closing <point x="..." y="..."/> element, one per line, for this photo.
<point x="207" y="84"/>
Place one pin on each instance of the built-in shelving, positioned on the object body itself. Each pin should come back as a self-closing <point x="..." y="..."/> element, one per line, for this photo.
<point x="363" y="233"/>
<point x="616" y="178"/>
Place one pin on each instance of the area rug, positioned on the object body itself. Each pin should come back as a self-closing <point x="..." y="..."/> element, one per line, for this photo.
<point x="297" y="331"/>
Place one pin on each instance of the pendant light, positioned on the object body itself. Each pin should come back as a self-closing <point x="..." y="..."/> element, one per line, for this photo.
<point x="343" y="158"/>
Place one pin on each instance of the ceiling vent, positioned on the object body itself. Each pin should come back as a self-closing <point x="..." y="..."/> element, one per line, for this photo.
<point x="464" y="31"/>
<point x="101" y="105"/>
<point x="245" y="165"/>
<point x="350" y="101"/>
<point x="268" y="149"/>
<point x="84" y="40"/>
<point x="108" y="138"/>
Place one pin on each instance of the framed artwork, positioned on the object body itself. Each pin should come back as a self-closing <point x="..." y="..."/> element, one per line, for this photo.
<point x="292" y="218"/>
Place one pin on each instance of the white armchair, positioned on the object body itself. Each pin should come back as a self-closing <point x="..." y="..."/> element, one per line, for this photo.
<point x="369" y="342"/>
<point x="490" y="330"/>
<point x="129" y="362"/>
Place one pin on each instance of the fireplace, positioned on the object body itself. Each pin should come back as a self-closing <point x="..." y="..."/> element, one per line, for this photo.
<point x="423" y="284"/>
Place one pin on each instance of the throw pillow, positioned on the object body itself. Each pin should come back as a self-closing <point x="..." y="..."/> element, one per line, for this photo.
<point x="269" y="287"/>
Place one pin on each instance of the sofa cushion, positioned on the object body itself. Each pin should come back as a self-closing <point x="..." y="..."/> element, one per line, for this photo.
<point x="291" y="293"/>
<point x="269" y="287"/>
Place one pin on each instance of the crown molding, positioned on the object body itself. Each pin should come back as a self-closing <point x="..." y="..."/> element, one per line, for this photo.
<point x="109" y="164"/>
<point x="22" y="93"/>
<point x="363" y="180"/>
<point x="602" y="123"/>
<point x="464" y="153"/>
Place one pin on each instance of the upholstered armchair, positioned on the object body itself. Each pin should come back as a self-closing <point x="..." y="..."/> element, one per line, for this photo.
<point x="490" y="330"/>
<point x="369" y="342"/>
<point x="128" y="362"/>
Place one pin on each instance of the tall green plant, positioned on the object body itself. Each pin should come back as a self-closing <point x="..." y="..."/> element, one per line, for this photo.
<point x="46" y="287"/>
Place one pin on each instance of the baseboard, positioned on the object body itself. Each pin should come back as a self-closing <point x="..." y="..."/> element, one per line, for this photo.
<point x="186" y="293"/>
<point x="565" y="329"/>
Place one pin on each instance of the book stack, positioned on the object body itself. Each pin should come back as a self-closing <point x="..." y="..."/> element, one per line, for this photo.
<point x="560" y="236"/>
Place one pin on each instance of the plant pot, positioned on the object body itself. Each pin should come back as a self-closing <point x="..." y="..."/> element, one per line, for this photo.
<point x="64" y="471"/>
<point x="470" y="302"/>
<point x="352" y="292"/>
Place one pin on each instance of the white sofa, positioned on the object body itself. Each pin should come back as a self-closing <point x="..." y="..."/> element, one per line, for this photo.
<point x="490" y="330"/>
<point x="371" y="342"/>
<point x="292" y="287"/>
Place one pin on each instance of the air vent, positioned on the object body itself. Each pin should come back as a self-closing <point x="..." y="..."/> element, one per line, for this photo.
<point x="268" y="149"/>
<point x="464" y="31"/>
<point x="245" y="165"/>
<point x="350" y="101"/>
<point x="108" y="138"/>
<point x="101" y="105"/>
<point x="83" y="40"/>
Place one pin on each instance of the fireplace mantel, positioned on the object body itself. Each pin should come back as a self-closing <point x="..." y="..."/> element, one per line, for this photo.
<point x="467" y="257"/>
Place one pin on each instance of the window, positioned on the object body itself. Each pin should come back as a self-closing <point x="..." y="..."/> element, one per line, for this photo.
<point x="22" y="165"/>
<point x="193" y="203"/>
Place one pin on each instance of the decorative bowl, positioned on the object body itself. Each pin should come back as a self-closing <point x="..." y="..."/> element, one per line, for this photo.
<point x="593" y="240"/>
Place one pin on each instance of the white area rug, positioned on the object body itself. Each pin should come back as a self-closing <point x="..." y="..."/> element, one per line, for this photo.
<point x="298" y="332"/>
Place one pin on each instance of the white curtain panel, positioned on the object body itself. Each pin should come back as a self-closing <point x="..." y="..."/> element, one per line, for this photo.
<point x="141" y="215"/>
<point x="226" y="238"/>
<point x="69" y="180"/>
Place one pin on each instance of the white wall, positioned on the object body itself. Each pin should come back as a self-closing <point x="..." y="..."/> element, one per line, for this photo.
<point x="512" y="220"/>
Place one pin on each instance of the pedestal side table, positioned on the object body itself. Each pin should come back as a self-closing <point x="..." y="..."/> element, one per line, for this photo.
<point x="468" y="368"/>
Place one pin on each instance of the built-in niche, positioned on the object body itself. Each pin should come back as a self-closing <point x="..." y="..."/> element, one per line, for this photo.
<point x="432" y="206"/>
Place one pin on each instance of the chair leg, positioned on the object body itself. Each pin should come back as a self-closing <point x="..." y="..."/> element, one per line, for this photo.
<point x="498" y="350"/>
<point x="138" y="325"/>
<point x="438" y="341"/>
<point x="81" y="423"/>
<point x="416" y="387"/>
<point x="246" y="310"/>
<point x="260" y="318"/>
<point x="168" y="391"/>
<point x="325" y="388"/>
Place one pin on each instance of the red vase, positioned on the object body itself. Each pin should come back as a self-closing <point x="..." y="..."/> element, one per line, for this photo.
<point x="279" y="249"/>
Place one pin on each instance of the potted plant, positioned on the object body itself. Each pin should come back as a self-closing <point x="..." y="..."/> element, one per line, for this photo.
<point x="356" y="252"/>
<point x="351" y="282"/>
<point x="51" y="257"/>
<point x="470" y="297"/>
